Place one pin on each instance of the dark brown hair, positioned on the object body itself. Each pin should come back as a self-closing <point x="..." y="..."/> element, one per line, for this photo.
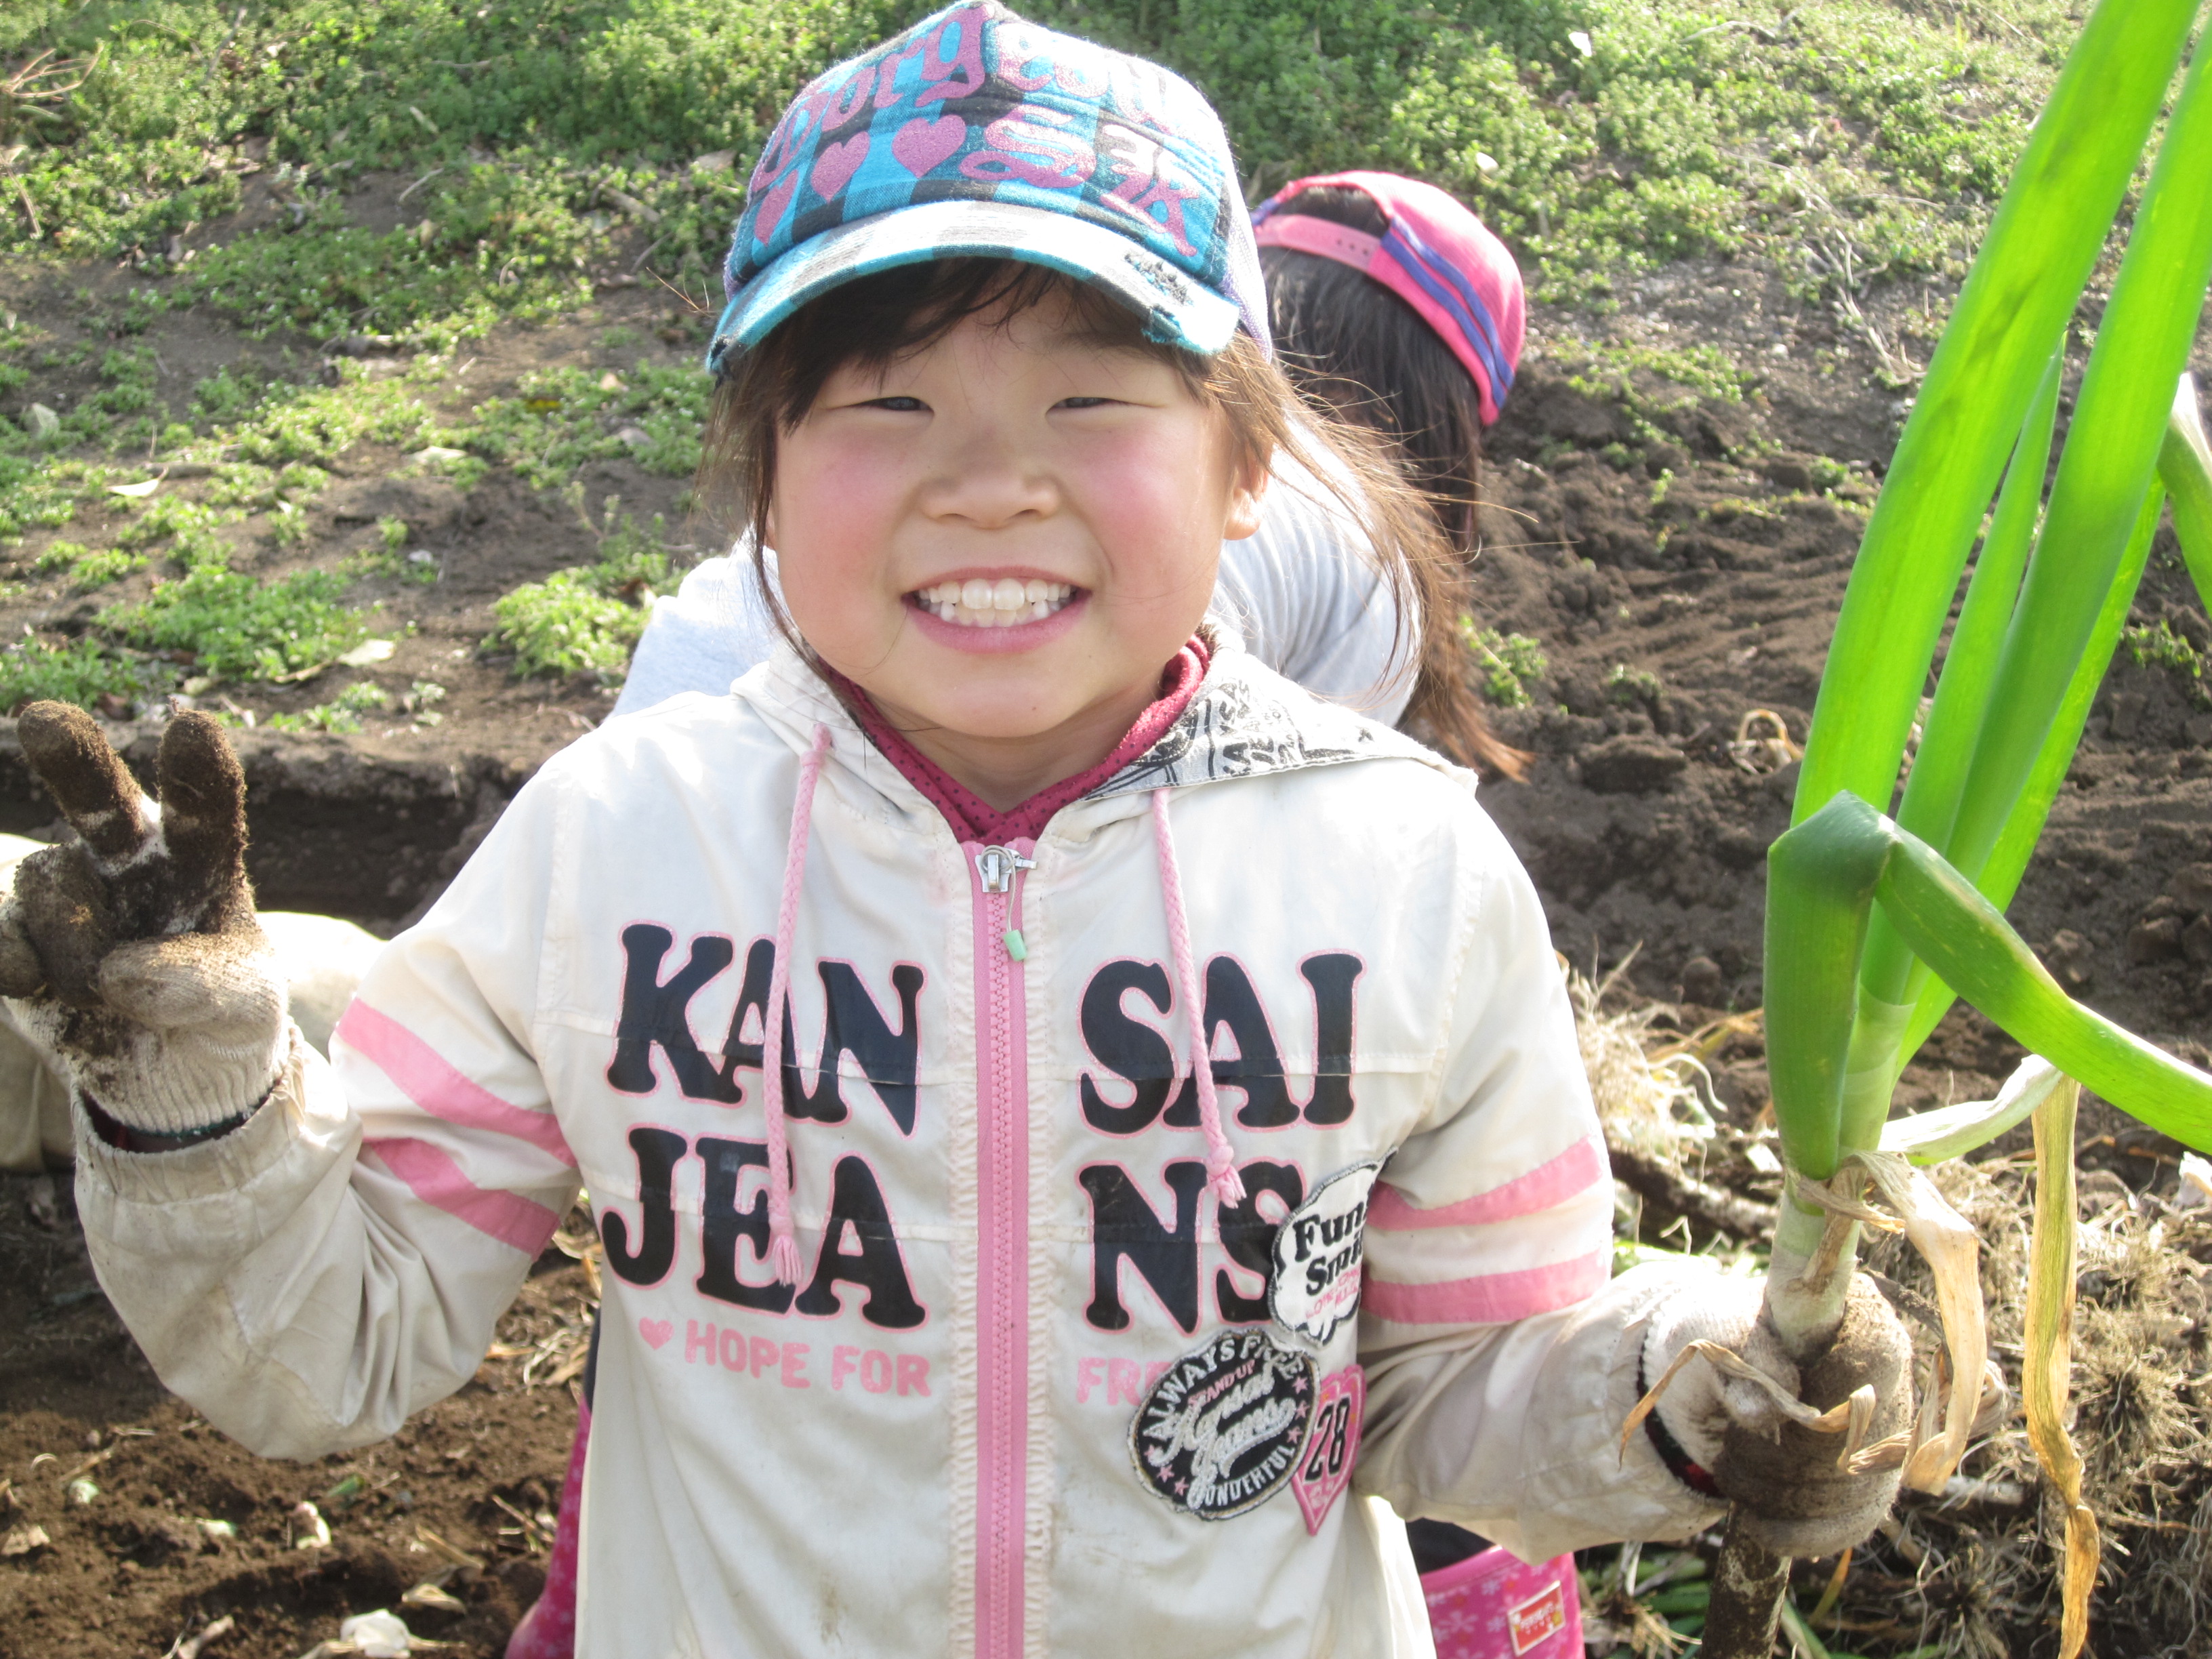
<point x="874" y="321"/>
<point x="1350" y="343"/>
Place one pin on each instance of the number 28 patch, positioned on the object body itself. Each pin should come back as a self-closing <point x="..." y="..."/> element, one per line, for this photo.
<point x="1325" y="1466"/>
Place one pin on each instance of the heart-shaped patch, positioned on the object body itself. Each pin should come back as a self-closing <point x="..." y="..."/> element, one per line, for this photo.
<point x="656" y="1331"/>
<point x="836" y="163"/>
<point x="773" y="204"/>
<point x="1325" y="1466"/>
<point x="920" y="144"/>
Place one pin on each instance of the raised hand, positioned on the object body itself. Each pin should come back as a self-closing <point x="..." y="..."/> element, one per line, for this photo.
<point x="132" y="952"/>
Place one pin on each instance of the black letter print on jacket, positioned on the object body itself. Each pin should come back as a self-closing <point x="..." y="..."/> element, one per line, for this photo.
<point x="658" y="1150"/>
<point x="854" y="1026"/>
<point x="653" y="1013"/>
<point x="722" y="1224"/>
<point x="856" y="1203"/>
<point x="1250" y="1237"/>
<point x="1140" y="1055"/>
<point x="1123" y="1225"/>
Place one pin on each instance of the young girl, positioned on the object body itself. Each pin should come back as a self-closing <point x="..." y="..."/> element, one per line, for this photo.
<point x="1074" y="1121"/>
<point x="1390" y="304"/>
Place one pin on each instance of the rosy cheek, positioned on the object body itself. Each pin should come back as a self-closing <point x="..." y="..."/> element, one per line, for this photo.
<point x="1143" y="495"/>
<point x="829" y="495"/>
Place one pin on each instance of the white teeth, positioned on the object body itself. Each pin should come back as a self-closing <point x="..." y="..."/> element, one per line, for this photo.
<point x="1006" y="602"/>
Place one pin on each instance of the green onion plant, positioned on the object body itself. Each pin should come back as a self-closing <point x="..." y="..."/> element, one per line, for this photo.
<point x="1886" y="897"/>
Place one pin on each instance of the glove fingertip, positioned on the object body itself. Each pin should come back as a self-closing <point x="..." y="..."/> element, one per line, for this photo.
<point x="72" y="758"/>
<point x="204" y="810"/>
<point x="22" y="973"/>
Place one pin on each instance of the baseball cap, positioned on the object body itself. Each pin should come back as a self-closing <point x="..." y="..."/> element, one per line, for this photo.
<point x="1434" y="254"/>
<point x="977" y="132"/>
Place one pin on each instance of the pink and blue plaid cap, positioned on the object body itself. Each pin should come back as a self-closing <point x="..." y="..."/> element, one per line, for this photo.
<point x="977" y="132"/>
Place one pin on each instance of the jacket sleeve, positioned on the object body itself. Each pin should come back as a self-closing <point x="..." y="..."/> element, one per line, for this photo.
<point x="339" y="1262"/>
<point x="1502" y="1358"/>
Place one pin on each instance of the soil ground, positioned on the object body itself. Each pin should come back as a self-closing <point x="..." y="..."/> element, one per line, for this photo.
<point x="1680" y="566"/>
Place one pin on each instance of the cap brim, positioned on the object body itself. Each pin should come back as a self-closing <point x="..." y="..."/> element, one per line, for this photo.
<point x="1179" y="310"/>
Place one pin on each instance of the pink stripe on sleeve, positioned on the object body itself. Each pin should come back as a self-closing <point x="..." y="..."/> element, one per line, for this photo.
<point x="1580" y="1167"/>
<point x="433" y="1177"/>
<point x="422" y="1075"/>
<point x="1488" y="1298"/>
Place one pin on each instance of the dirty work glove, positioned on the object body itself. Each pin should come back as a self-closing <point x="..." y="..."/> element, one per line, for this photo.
<point x="1782" y="1476"/>
<point x="132" y="952"/>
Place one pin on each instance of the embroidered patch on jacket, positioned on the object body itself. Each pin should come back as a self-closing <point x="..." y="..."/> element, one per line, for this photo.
<point x="1221" y="1431"/>
<point x="1316" y="1285"/>
<point x="1325" y="1465"/>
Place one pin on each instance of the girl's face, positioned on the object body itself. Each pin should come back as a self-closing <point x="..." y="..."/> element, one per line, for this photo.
<point x="1004" y="537"/>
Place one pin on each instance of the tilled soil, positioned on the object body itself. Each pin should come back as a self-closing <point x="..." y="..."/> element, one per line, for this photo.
<point x="135" y="1566"/>
<point x="1680" y="559"/>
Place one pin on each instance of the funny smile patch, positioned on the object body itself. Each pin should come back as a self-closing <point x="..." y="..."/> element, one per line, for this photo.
<point x="1316" y="1285"/>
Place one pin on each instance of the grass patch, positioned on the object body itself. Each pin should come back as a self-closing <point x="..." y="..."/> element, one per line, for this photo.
<point x="341" y="713"/>
<point x="587" y="619"/>
<point x="566" y="625"/>
<point x="1507" y="662"/>
<point x="88" y="568"/>
<point x="1841" y="137"/>
<point x="1631" y="687"/>
<point x="238" y="627"/>
<point x="79" y="671"/>
<point x="565" y="417"/>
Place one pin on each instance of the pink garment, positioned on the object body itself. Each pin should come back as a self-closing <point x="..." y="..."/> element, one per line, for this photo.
<point x="974" y="819"/>
<point x="1494" y="1606"/>
<point x="1435" y="256"/>
<point x="548" y="1631"/>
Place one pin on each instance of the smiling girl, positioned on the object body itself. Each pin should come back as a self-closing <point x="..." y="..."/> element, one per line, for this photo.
<point x="1085" y="1135"/>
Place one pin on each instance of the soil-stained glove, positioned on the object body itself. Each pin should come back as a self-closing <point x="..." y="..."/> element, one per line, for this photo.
<point x="133" y="952"/>
<point x="1782" y="1476"/>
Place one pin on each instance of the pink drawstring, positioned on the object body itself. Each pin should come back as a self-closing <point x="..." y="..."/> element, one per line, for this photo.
<point x="1220" y="1157"/>
<point x="783" y="1239"/>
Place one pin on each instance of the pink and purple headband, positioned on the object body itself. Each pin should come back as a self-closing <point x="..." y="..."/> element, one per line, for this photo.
<point x="1435" y="255"/>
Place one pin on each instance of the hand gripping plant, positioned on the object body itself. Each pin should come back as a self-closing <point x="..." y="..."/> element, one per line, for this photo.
<point x="1875" y="922"/>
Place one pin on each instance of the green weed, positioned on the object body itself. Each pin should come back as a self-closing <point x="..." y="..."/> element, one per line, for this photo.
<point x="1844" y="134"/>
<point x="90" y="569"/>
<point x="566" y="625"/>
<point x="79" y="672"/>
<point x="239" y="627"/>
<point x="2158" y="645"/>
<point x="188" y="526"/>
<point x="341" y="713"/>
<point x="585" y="619"/>
<point x="1508" y="662"/>
<point x="1629" y="686"/>
<point x="567" y="417"/>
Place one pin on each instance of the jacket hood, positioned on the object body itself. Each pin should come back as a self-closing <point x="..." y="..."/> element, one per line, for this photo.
<point x="1244" y="721"/>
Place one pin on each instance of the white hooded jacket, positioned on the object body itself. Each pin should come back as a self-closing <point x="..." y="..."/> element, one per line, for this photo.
<point x="1042" y="1386"/>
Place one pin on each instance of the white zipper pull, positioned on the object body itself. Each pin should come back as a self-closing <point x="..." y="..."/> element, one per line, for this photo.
<point x="997" y="865"/>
